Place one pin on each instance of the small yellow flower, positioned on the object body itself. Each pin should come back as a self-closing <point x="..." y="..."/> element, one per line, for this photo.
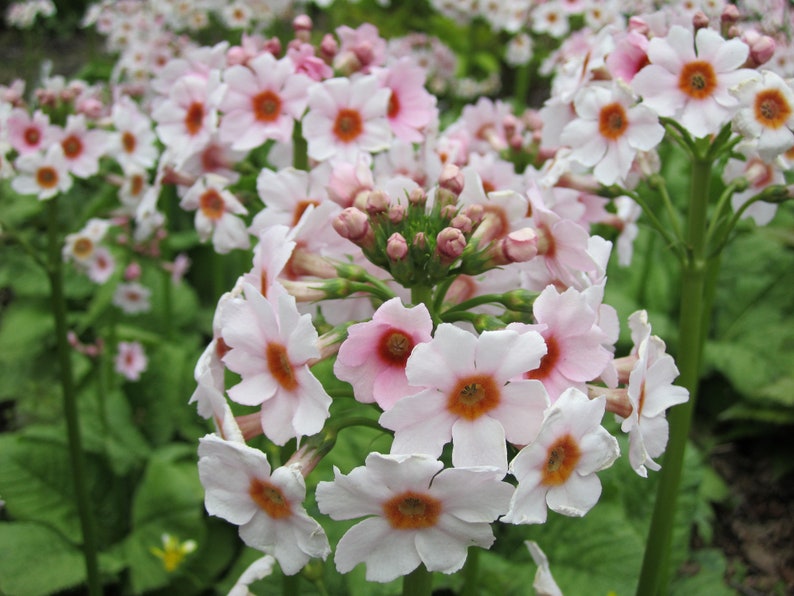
<point x="173" y="552"/>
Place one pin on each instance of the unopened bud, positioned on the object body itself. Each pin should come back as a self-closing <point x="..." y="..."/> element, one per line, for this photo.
<point x="730" y="15"/>
<point x="519" y="300"/>
<point x="451" y="179"/>
<point x="302" y="22"/>
<point x="420" y="240"/>
<point x="352" y="224"/>
<point x="520" y="246"/>
<point x="449" y="211"/>
<point x="396" y="247"/>
<point x="762" y="51"/>
<point x="462" y="223"/>
<point x="700" y="20"/>
<point x="417" y="197"/>
<point x="328" y="47"/>
<point x="450" y="243"/>
<point x="132" y="271"/>
<point x="377" y="202"/>
<point x="474" y="212"/>
<point x="639" y="25"/>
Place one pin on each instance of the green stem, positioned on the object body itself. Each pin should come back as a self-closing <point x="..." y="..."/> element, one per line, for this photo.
<point x="523" y="74"/>
<point x="471" y="571"/>
<point x="418" y="583"/>
<point x="290" y="585"/>
<point x="300" y="149"/>
<point x="84" y="509"/>
<point x="655" y="573"/>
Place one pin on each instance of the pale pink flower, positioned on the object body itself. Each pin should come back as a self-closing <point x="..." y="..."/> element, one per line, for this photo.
<point x="82" y="148"/>
<point x="766" y="114"/>
<point x="484" y="123"/>
<point x="609" y="131"/>
<point x="130" y="360"/>
<point x="306" y="62"/>
<point x="240" y="487"/>
<point x="361" y="49"/>
<point x="81" y="246"/>
<point x="575" y="354"/>
<point x="29" y="133"/>
<point x="101" y="266"/>
<point x="558" y="469"/>
<point x="347" y="181"/>
<point x="629" y="56"/>
<point x="44" y="175"/>
<point x="132" y="297"/>
<point x="287" y="194"/>
<point x="271" y="255"/>
<point x="347" y="116"/>
<point x="544" y="583"/>
<point x="257" y="570"/>
<point x="374" y="355"/>
<point x="188" y="116"/>
<point x="759" y="175"/>
<point x="271" y="345"/>
<point x="411" y="108"/>
<point x="217" y="211"/>
<point x="262" y="101"/>
<point x="651" y="392"/>
<point x="417" y="512"/>
<point x="693" y="88"/>
<point x="134" y="143"/>
<point x="473" y="395"/>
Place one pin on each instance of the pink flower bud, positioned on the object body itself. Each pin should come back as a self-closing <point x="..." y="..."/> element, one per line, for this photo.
<point x="474" y="212"/>
<point x="521" y="246"/>
<point x="700" y="20"/>
<point x="417" y="197"/>
<point x="449" y="211"/>
<point x="762" y="50"/>
<point x="450" y="243"/>
<point x="451" y="179"/>
<point x="377" y="202"/>
<point x="462" y="223"/>
<point x="639" y="25"/>
<point x="272" y="45"/>
<point x="730" y="15"/>
<point x="396" y="213"/>
<point x="396" y="247"/>
<point x="302" y="22"/>
<point x="352" y="224"/>
<point x="420" y="241"/>
<point x="132" y="272"/>
<point x="328" y="47"/>
<point x="236" y="55"/>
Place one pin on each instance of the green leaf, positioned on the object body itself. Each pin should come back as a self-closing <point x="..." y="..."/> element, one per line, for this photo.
<point x="36" y="560"/>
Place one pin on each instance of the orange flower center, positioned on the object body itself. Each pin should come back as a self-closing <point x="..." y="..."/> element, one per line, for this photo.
<point x="280" y="367"/>
<point x="412" y="511"/>
<point x="128" y="142"/>
<point x="473" y="396"/>
<point x="211" y="204"/>
<point x="300" y="209"/>
<point x="771" y="108"/>
<point x="136" y="185"/>
<point x="697" y="79"/>
<point x="561" y="459"/>
<point x="395" y="347"/>
<point x="267" y="106"/>
<point x="394" y="105"/>
<point x="32" y="136"/>
<point x="612" y="121"/>
<point x="548" y="362"/>
<point x="194" y="118"/>
<point x="269" y="498"/>
<point x="348" y="125"/>
<point x="47" y="177"/>
<point x="83" y="247"/>
<point x="72" y="147"/>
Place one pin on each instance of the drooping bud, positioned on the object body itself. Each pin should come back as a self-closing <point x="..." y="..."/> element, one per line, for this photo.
<point x="700" y="20"/>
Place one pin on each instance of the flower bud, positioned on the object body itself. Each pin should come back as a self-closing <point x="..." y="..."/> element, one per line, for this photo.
<point x="761" y="51"/>
<point x="462" y="223"/>
<point x="420" y="241"/>
<point x="302" y="22"/>
<point x="474" y="212"/>
<point x="396" y="247"/>
<point x="132" y="272"/>
<point x="520" y="246"/>
<point x="353" y="224"/>
<point x="417" y="197"/>
<point x="328" y="47"/>
<point x="699" y="20"/>
<point x="396" y="213"/>
<point x="451" y="179"/>
<point x="450" y="243"/>
<point x="377" y="202"/>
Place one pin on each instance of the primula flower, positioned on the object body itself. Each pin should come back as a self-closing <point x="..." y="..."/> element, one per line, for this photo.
<point x="411" y="108"/>
<point x="134" y="143"/>
<point x="187" y="117"/>
<point x="287" y="194"/>
<point x="29" y="133"/>
<point x="240" y="487"/>
<point x="270" y="345"/>
<point x="558" y="469"/>
<point x="82" y="148"/>
<point x="262" y="101"/>
<point x="609" y="131"/>
<point x="374" y="355"/>
<point x="216" y="213"/>
<point x="44" y="175"/>
<point x="693" y="88"/>
<point x="418" y="513"/>
<point x="651" y="392"/>
<point x="473" y="395"/>
<point x="132" y="297"/>
<point x="766" y="115"/>
<point x="347" y="116"/>
<point x="130" y="360"/>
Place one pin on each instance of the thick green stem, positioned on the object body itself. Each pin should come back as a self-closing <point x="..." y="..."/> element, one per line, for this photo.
<point x="84" y="510"/>
<point x="290" y="585"/>
<point x="471" y="572"/>
<point x="418" y="583"/>
<point x="692" y="334"/>
<point x="300" y="149"/>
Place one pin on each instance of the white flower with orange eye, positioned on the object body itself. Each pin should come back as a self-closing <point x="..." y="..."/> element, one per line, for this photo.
<point x="267" y="505"/>
<point x="557" y="470"/>
<point x="217" y="212"/>
<point x="418" y="513"/>
<point x="693" y="89"/>
<point x="44" y="175"/>
<point x="767" y="114"/>
<point x="609" y="131"/>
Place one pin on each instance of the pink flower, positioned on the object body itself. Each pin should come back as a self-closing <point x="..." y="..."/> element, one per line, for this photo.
<point x="187" y="117"/>
<point x="132" y="298"/>
<point x="629" y="56"/>
<point x="44" y="175"/>
<point x="411" y="108"/>
<point x="216" y="213"/>
<point x="609" y="131"/>
<point x="360" y="48"/>
<point x="135" y="142"/>
<point x="287" y="194"/>
<point x="262" y="101"/>
<point x="82" y="148"/>
<point x="267" y="505"/>
<point x="374" y="355"/>
<point x="417" y="513"/>
<point x="130" y="360"/>
<point x="347" y="116"/>
<point x="473" y="395"/>
<point x="651" y="392"/>
<point x="575" y="353"/>
<point x="271" y="345"/>
<point x="271" y="255"/>
<point x="29" y="133"/>
<point x="558" y="469"/>
<point x="693" y="88"/>
<point x="306" y="62"/>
